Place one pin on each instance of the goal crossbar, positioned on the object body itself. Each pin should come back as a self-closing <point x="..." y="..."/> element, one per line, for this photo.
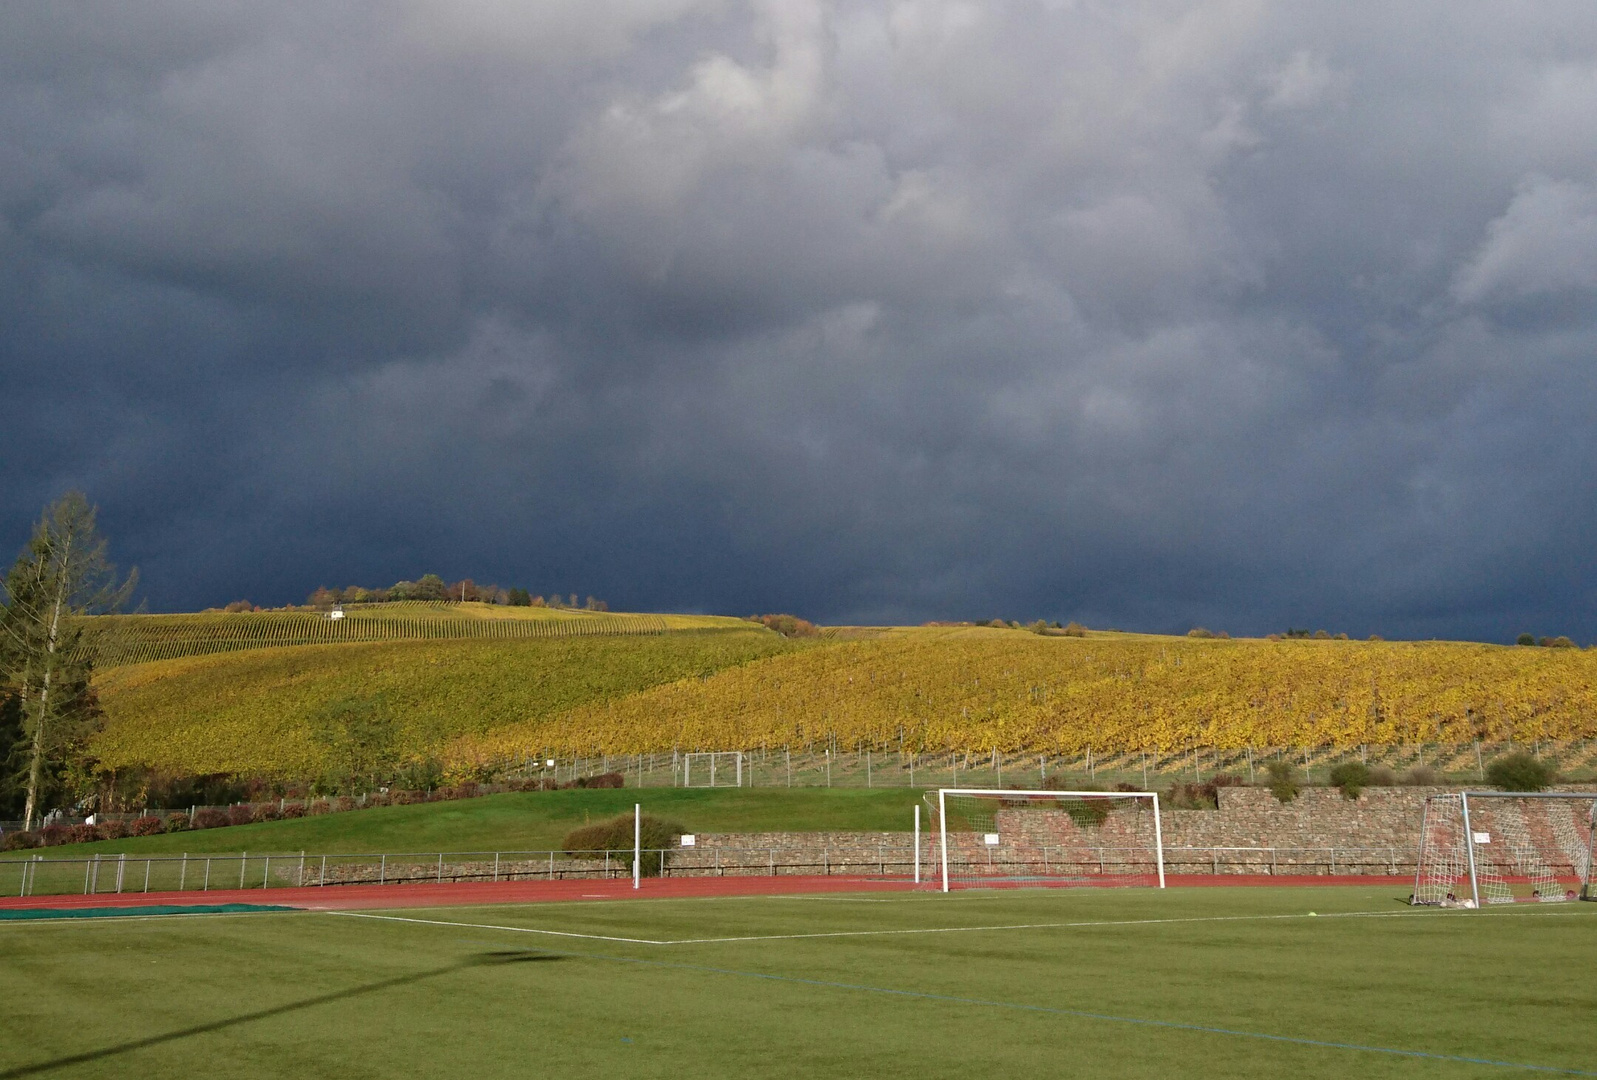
<point x="1150" y="797"/>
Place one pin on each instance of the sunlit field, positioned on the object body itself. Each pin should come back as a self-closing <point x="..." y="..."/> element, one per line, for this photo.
<point x="1235" y="982"/>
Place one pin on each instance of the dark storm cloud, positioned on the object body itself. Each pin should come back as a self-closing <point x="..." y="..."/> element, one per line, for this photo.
<point x="1147" y="314"/>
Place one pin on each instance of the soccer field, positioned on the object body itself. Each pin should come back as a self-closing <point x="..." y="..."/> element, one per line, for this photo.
<point x="1235" y="982"/>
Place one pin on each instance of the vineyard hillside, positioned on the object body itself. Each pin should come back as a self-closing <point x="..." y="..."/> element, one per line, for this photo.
<point x="934" y="689"/>
<point x="134" y="639"/>
<point x="255" y="712"/>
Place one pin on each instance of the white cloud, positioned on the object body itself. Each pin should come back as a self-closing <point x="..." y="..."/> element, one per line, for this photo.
<point x="1545" y="242"/>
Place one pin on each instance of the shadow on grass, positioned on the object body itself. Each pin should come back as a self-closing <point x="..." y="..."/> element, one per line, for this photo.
<point x="486" y="959"/>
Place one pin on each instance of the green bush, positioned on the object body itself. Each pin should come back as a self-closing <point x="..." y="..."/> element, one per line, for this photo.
<point x="1519" y="771"/>
<point x="615" y="835"/>
<point x="1526" y="639"/>
<point x="1352" y="777"/>
<point x="1283" y="782"/>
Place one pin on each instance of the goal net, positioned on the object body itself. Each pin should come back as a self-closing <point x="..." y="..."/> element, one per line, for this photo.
<point x="721" y="768"/>
<point x="1497" y="847"/>
<point x="994" y="838"/>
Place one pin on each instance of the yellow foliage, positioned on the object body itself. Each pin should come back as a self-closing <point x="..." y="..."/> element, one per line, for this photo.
<point x="978" y="688"/>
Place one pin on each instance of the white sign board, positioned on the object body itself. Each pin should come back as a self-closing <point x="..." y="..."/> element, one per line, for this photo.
<point x="991" y="839"/>
<point x="688" y="840"/>
<point x="1483" y="838"/>
<point x="549" y="763"/>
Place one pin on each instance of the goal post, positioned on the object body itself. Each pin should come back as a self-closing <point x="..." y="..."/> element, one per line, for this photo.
<point x="1502" y="847"/>
<point x="995" y="838"/>
<point x="713" y="768"/>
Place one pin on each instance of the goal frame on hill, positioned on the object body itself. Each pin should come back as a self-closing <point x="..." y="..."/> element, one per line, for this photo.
<point x="1452" y="841"/>
<point x="712" y="756"/>
<point x="943" y="794"/>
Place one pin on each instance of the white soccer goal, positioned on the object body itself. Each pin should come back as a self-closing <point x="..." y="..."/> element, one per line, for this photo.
<point x="720" y="768"/>
<point x="991" y="838"/>
<point x="1499" y="847"/>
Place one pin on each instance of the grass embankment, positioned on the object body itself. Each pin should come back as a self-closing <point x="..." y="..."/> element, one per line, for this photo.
<point x="253" y="713"/>
<point x="1081" y="983"/>
<point x="533" y="821"/>
<point x="979" y="688"/>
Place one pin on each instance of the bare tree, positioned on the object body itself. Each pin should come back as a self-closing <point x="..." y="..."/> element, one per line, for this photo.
<point x="61" y="576"/>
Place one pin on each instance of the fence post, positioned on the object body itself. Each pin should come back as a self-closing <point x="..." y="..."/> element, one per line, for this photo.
<point x="147" y="874"/>
<point x="496" y="866"/>
<point x="207" y="886"/>
<point x="440" y="868"/>
<point x="324" y="871"/>
<point x="243" y="864"/>
<point x="266" y="873"/>
<point x="382" y="871"/>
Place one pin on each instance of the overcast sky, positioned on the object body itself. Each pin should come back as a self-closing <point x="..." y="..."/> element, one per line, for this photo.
<point x="1148" y="314"/>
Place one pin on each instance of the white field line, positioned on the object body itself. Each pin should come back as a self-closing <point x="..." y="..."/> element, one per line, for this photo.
<point x="490" y="926"/>
<point x="944" y="929"/>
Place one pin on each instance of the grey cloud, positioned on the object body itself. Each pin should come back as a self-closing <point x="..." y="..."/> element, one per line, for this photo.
<point x="1240" y="314"/>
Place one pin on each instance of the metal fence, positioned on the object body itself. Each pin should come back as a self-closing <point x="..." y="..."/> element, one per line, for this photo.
<point x="40" y="874"/>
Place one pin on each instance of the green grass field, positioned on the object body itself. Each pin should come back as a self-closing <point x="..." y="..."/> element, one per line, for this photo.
<point x="1076" y="983"/>
<point x="534" y="821"/>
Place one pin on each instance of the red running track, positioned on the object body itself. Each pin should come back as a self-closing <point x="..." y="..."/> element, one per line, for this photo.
<point x="453" y="894"/>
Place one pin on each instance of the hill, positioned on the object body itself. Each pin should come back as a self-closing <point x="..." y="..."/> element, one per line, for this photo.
<point x="134" y="639"/>
<point x="255" y="713"/>
<point x="977" y="688"/>
<point x="484" y="702"/>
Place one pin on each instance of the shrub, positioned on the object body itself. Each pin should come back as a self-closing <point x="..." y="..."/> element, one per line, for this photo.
<point x="149" y="825"/>
<point x="592" y="841"/>
<point x="1381" y="776"/>
<point x="110" y="830"/>
<point x="210" y="818"/>
<point x="267" y="812"/>
<point x="1205" y="795"/>
<point x="603" y="780"/>
<point x="82" y="834"/>
<point x="343" y="803"/>
<point x="788" y="626"/>
<point x="55" y="835"/>
<point x="1352" y="777"/>
<point x="1525" y="639"/>
<point x="293" y="810"/>
<point x="318" y="807"/>
<point x="1074" y="629"/>
<point x="177" y="823"/>
<point x="1283" y="782"/>
<point x="1559" y="642"/>
<point x="1519" y="771"/>
<point x="240" y="814"/>
<point x="21" y="841"/>
<point x="1199" y="632"/>
<point x="1422" y="776"/>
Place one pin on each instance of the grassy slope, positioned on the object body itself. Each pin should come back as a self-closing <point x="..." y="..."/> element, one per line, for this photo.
<point x="536" y="821"/>
<point x="312" y="994"/>
<point x="248" y="712"/>
<point x="977" y="688"/>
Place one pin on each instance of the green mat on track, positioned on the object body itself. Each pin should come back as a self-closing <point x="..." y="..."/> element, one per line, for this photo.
<point x="152" y="909"/>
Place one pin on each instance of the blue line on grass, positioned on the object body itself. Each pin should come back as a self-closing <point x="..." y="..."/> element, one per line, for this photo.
<point x="1081" y="1014"/>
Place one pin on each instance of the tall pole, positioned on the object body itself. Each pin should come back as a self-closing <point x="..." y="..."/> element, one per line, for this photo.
<point x="917" y="843"/>
<point x="1469" y="846"/>
<point x="637" y="844"/>
<point x="1158" y="839"/>
<point x="942" y="828"/>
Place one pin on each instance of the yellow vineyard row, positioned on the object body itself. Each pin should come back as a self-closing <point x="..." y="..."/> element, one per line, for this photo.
<point x="970" y="689"/>
<point x="137" y="639"/>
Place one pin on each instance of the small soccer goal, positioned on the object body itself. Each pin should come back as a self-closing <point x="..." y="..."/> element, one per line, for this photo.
<point x="989" y="838"/>
<point x="720" y="768"/>
<point x="1498" y="847"/>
